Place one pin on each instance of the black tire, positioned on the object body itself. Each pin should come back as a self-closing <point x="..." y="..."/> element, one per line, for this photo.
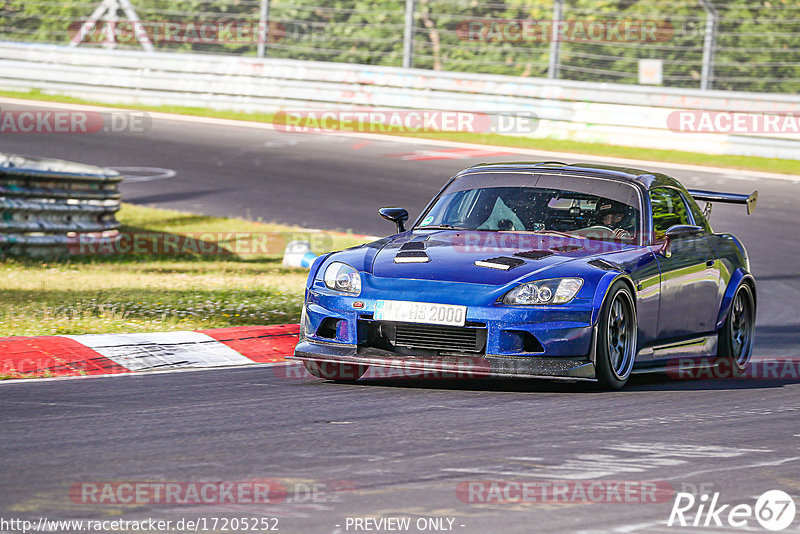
<point x="736" y="338"/>
<point x="338" y="372"/>
<point x="616" y="337"/>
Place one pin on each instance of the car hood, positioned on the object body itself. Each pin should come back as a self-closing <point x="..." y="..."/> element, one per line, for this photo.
<point x="452" y="255"/>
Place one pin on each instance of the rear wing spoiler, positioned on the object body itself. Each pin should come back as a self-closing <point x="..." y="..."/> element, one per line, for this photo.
<point x="729" y="198"/>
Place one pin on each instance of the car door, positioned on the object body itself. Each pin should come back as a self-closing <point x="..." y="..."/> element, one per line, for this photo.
<point x="689" y="273"/>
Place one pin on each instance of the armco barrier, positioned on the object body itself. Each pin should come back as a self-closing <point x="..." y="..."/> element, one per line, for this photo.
<point x="581" y="111"/>
<point x="45" y="204"/>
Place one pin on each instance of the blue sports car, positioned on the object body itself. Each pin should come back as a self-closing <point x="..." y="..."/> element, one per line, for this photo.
<point x="540" y="270"/>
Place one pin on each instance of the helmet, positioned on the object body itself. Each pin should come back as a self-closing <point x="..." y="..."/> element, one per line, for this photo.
<point x="612" y="207"/>
<point x="607" y="207"/>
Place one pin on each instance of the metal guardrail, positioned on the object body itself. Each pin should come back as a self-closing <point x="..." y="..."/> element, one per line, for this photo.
<point x="580" y="111"/>
<point x="46" y="205"/>
<point x="739" y="45"/>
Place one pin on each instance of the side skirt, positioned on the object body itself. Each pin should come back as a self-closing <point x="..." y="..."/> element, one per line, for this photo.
<point x="657" y="358"/>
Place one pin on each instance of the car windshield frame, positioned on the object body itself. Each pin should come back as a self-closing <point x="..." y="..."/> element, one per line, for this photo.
<point x="567" y="182"/>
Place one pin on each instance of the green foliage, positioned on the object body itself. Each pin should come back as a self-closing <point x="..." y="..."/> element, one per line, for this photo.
<point x="757" y="45"/>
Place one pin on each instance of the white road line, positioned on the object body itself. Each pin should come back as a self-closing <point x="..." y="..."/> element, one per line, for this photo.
<point x="588" y="466"/>
<point x="150" y="173"/>
<point x="735" y="468"/>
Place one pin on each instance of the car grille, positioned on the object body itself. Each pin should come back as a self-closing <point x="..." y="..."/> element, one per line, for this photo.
<point x="441" y="338"/>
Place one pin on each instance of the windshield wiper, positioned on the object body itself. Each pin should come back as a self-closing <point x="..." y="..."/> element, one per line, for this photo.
<point x="551" y="232"/>
<point x="438" y="227"/>
<point x="562" y="234"/>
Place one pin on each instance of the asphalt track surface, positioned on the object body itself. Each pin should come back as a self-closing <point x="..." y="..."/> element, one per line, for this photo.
<point x="395" y="448"/>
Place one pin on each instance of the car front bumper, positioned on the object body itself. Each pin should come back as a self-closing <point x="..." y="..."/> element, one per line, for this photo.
<point x="518" y="341"/>
<point x="466" y="366"/>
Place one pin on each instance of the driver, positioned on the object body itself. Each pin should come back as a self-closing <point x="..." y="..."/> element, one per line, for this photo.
<point x="613" y="215"/>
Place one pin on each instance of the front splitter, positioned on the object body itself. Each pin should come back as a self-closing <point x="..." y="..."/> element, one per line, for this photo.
<point x="477" y="366"/>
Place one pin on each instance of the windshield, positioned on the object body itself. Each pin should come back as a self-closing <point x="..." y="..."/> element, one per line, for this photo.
<point x="583" y="207"/>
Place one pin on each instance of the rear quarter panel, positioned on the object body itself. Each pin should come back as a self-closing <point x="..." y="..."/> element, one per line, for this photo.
<point x="734" y="268"/>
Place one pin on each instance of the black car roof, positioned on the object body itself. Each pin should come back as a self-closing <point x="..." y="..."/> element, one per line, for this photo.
<point x="646" y="179"/>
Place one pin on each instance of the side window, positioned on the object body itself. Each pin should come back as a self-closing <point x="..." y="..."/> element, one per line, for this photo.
<point x="669" y="209"/>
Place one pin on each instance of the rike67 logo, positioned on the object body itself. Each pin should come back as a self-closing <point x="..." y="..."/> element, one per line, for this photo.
<point x="774" y="510"/>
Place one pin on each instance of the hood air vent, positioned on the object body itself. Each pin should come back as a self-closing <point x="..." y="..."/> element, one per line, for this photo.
<point x="567" y="248"/>
<point x="502" y="263"/>
<point x="413" y="245"/>
<point x="534" y="254"/>
<point x="605" y="265"/>
<point x="412" y="256"/>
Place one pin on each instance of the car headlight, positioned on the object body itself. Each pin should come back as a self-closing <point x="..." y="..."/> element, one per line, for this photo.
<point x="554" y="291"/>
<point x="341" y="277"/>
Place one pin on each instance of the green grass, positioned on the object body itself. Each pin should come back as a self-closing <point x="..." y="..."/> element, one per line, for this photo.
<point x="558" y="145"/>
<point x="143" y="292"/>
<point x="46" y="374"/>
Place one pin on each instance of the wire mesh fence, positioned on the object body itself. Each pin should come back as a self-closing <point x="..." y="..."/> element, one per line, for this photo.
<point x="745" y="45"/>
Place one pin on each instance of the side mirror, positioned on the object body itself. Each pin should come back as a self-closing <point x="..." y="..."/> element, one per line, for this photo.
<point x="397" y="215"/>
<point x="677" y="232"/>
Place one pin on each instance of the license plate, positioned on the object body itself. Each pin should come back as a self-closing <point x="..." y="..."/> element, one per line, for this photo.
<point x="420" y="312"/>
